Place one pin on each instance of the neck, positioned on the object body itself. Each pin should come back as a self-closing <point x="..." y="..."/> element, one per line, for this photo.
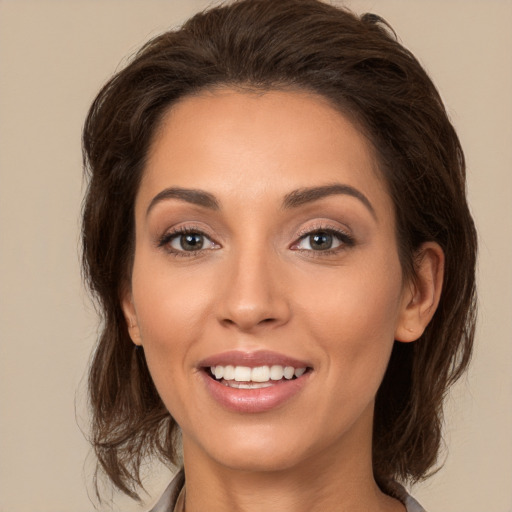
<point x="338" y="480"/>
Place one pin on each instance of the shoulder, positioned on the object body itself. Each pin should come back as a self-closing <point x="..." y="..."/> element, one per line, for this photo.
<point x="168" y="499"/>
<point x="398" y="491"/>
<point x="170" y="495"/>
<point x="410" y="503"/>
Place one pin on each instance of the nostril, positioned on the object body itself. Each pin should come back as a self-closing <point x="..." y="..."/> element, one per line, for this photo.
<point x="264" y="321"/>
<point x="251" y="314"/>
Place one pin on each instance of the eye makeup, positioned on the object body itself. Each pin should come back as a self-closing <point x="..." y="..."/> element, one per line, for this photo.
<point x="186" y="241"/>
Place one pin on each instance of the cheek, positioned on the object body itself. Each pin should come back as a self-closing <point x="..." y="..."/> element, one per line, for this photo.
<point x="355" y="322"/>
<point x="355" y="304"/>
<point x="169" y="305"/>
<point x="171" y="310"/>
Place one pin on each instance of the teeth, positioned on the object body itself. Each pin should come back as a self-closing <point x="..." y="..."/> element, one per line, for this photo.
<point x="299" y="372"/>
<point x="276" y="372"/>
<point x="260" y="374"/>
<point x="229" y="372"/>
<point x="242" y="373"/>
<point x="246" y="385"/>
<point x="289" y="371"/>
<point x="250" y="376"/>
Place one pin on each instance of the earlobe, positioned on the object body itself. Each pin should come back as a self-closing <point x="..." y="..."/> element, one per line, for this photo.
<point x="422" y="293"/>
<point x="131" y="317"/>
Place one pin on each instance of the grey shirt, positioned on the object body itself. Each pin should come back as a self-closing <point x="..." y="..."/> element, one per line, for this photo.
<point x="169" y="502"/>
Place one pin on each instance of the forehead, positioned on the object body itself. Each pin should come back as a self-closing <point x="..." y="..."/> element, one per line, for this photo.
<point x="253" y="144"/>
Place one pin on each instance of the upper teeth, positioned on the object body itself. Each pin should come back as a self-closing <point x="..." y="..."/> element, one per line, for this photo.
<point x="257" y="374"/>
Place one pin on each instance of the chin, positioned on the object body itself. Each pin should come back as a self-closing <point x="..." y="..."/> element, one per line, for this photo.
<point x="252" y="459"/>
<point x="265" y="447"/>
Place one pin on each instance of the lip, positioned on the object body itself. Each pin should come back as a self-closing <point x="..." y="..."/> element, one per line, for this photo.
<point x="252" y="359"/>
<point x="253" y="400"/>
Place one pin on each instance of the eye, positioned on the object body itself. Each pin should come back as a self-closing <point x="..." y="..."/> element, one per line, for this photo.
<point x="323" y="240"/>
<point x="187" y="241"/>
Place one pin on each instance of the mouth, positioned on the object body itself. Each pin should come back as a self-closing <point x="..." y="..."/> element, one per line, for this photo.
<point x="254" y="382"/>
<point x="258" y="377"/>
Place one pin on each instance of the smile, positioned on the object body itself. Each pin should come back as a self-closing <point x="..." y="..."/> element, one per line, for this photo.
<point x="244" y="377"/>
<point x="254" y="382"/>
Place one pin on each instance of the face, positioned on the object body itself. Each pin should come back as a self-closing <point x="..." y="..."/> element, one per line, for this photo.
<point x="266" y="287"/>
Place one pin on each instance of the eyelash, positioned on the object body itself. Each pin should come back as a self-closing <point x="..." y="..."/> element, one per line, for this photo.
<point x="166" y="239"/>
<point x="346" y="240"/>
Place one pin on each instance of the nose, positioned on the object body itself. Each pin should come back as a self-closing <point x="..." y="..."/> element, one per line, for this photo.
<point x="254" y="294"/>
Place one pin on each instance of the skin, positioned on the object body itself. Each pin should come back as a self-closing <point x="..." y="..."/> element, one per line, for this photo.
<point x="259" y="284"/>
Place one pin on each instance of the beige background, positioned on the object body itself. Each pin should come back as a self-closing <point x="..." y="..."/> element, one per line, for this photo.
<point x="54" y="55"/>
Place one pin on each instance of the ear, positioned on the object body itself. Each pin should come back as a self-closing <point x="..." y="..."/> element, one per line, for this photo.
<point x="422" y="293"/>
<point x="131" y="317"/>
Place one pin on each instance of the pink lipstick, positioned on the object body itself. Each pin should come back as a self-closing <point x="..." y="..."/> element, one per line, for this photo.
<point x="253" y="382"/>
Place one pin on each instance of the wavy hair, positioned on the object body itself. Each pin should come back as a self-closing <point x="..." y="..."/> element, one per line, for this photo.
<point x="360" y="67"/>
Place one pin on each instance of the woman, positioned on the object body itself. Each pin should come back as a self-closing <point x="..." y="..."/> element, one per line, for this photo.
<point x="277" y="232"/>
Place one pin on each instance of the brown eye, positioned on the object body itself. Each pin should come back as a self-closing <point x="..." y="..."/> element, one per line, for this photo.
<point x="183" y="242"/>
<point x="320" y="241"/>
<point x="189" y="242"/>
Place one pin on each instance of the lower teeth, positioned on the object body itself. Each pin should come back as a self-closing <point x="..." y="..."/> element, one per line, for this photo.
<point x="246" y="385"/>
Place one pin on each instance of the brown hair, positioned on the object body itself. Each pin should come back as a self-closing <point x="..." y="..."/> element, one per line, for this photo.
<point x="359" y="66"/>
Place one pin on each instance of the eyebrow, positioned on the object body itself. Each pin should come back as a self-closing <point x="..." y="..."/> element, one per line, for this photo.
<point x="193" y="196"/>
<point x="309" y="195"/>
<point x="292" y="200"/>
